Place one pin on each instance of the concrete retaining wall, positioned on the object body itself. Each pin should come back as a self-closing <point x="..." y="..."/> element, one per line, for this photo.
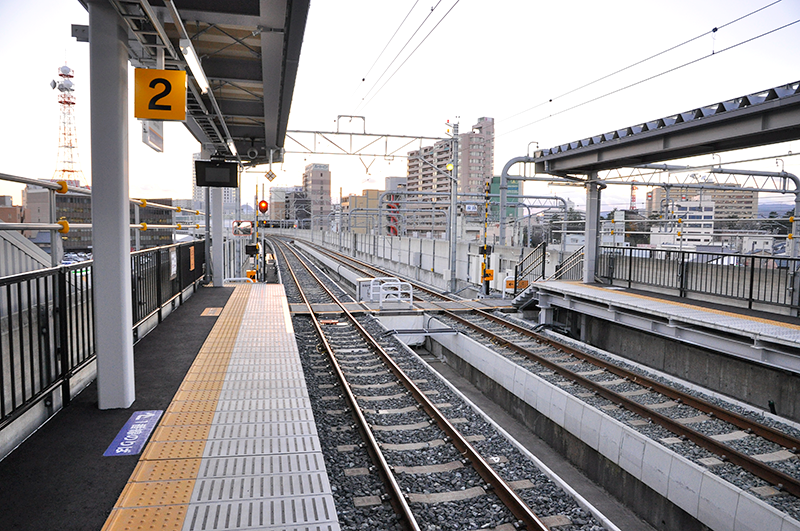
<point x="666" y="489"/>
<point x="744" y="380"/>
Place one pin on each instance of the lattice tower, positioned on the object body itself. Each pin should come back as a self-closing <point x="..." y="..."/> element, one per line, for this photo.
<point x="67" y="166"/>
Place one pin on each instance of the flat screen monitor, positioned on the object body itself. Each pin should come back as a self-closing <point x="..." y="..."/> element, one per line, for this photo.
<point x="215" y="173"/>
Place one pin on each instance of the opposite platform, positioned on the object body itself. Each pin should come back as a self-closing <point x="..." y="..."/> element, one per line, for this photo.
<point x="752" y="335"/>
<point x="238" y="447"/>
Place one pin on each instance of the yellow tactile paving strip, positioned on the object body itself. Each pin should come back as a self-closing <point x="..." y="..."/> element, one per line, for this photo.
<point x="158" y="493"/>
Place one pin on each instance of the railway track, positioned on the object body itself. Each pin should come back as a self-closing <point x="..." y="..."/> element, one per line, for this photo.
<point x="709" y="432"/>
<point x="436" y="475"/>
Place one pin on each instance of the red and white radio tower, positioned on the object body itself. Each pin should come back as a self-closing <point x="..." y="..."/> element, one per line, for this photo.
<point x="68" y="167"/>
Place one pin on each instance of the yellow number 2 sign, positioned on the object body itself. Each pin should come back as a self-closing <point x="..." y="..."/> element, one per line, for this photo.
<point x="159" y="94"/>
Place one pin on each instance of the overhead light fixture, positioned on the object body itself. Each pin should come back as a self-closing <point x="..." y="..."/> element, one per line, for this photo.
<point x="194" y="64"/>
<point x="232" y="147"/>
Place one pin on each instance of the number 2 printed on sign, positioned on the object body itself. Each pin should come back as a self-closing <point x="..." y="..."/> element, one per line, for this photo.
<point x="154" y="100"/>
<point x="160" y="94"/>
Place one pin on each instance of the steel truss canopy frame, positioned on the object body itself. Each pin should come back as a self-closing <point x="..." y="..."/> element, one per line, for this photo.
<point x="373" y="145"/>
<point x="702" y="178"/>
<point x="767" y="117"/>
<point x="360" y="144"/>
<point x="249" y="51"/>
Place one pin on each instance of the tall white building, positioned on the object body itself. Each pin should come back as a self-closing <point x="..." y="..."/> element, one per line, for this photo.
<point x="475" y="162"/>
<point x="689" y="224"/>
<point x="732" y="202"/>
<point x="427" y="167"/>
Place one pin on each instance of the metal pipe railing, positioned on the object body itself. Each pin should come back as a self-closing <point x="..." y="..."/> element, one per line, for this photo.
<point x="47" y="331"/>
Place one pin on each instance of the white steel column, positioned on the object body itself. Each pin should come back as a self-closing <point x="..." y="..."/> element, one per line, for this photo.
<point x="591" y="232"/>
<point x="110" y="207"/>
<point x="217" y="237"/>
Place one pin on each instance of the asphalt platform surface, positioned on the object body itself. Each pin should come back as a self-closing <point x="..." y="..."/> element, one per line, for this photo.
<point x="58" y="479"/>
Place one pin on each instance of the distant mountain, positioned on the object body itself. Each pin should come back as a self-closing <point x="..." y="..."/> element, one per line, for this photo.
<point x="781" y="208"/>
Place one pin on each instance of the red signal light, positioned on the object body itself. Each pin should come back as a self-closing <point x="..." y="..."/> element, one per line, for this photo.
<point x="263" y="206"/>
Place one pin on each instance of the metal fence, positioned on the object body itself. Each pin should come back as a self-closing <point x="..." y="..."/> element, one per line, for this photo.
<point x="159" y="275"/>
<point x="47" y="320"/>
<point x="755" y="279"/>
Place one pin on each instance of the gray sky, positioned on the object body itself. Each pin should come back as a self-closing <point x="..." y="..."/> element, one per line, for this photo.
<point x="493" y="61"/>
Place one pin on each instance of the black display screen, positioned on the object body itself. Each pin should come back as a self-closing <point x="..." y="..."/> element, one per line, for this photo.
<point x="218" y="174"/>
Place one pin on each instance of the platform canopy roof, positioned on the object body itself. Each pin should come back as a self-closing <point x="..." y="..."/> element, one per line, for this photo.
<point x="249" y="51"/>
<point x="766" y="117"/>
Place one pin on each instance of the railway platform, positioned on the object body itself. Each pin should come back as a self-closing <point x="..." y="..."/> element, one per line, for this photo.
<point x="771" y="339"/>
<point x="236" y="446"/>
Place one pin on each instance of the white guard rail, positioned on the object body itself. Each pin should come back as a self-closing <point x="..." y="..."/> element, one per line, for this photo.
<point x="391" y="289"/>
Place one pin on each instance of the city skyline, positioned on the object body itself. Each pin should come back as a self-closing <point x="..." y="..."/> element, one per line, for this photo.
<point x="520" y="63"/>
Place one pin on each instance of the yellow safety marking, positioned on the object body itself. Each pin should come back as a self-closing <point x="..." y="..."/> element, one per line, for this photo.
<point x="202" y="385"/>
<point x="197" y="376"/>
<point x="710" y="310"/>
<point x="189" y="417"/>
<point x="192" y="405"/>
<point x="165" y="470"/>
<point x="181" y="433"/>
<point x="197" y="395"/>
<point x="173" y="450"/>
<point x="168" y="518"/>
<point x="160" y="488"/>
<point x="155" y="493"/>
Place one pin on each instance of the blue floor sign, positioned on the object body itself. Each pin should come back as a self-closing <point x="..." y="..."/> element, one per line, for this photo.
<point x="131" y="438"/>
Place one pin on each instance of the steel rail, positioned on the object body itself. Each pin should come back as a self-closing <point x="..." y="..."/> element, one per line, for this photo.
<point x="342" y="257"/>
<point x="398" y="499"/>
<point x="503" y="490"/>
<point x="762" y="470"/>
<point x="727" y="453"/>
<point x="771" y="434"/>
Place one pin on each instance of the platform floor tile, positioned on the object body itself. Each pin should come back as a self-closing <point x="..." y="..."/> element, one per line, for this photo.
<point x="238" y="447"/>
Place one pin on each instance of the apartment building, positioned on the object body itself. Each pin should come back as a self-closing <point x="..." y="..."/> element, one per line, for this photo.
<point x="476" y="157"/>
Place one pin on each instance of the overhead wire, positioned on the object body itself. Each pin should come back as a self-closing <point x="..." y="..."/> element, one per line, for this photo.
<point x="412" y="52"/>
<point x="398" y="54"/>
<point x="712" y="54"/>
<point x="711" y="31"/>
<point x="390" y="41"/>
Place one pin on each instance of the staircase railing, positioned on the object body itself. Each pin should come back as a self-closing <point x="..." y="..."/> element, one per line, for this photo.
<point x="531" y="268"/>
<point x="571" y="268"/>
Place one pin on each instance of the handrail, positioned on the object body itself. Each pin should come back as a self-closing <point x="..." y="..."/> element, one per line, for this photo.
<point x="566" y="267"/>
<point x="63" y="187"/>
<point x="52" y="314"/>
<point x="535" y="259"/>
<point x="756" y="279"/>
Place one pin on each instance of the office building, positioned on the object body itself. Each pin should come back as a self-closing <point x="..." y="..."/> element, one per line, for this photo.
<point x="427" y="169"/>
<point x="75" y="207"/>
<point x="361" y="211"/>
<point x="277" y="201"/>
<point x="729" y="203"/>
<point x="10" y="213"/>
<point x="689" y="225"/>
<point x="317" y="186"/>
<point x="152" y="216"/>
